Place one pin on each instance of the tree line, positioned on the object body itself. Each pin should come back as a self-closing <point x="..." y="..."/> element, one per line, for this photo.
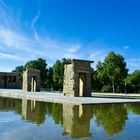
<point x="110" y="75"/>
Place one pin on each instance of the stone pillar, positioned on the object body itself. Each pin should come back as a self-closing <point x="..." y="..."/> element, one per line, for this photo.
<point x="68" y="88"/>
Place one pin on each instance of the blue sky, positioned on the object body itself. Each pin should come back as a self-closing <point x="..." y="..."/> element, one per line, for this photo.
<point x="82" y="29"/>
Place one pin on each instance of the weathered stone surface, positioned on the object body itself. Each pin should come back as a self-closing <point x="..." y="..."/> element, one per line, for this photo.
<point x="10" y="80"/>
<point x="31" y="80"/>
<point x="77" y="78"/>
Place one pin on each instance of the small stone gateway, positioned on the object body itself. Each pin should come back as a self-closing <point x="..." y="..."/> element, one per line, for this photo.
<point x="77" y="78"/>
<point x="31" y="80"/>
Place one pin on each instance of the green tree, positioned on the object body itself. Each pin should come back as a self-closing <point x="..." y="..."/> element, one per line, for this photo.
<point x="134" y="107"/>
<point x="58" y="73"/>
<point x="57" y="77"/>
<point x="133" y="82"/>
<point x="57" y="113"/>
<point x="41" y="65"/>
<point x="49" y="80"/>
<point x="95" y="82"/>
<point x="111" y="117"/>
<point x="112" y="71"/>
<point x="19" y="69"/>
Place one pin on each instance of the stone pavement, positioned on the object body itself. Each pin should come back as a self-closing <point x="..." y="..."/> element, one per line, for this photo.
<point x="57" y="97"/>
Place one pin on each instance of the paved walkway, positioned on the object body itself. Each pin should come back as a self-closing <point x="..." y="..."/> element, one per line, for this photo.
<point x="59" y="98"/>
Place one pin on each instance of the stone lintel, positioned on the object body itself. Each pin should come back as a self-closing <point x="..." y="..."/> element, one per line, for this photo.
<point x="79" y="60"/>
<point x="9" y="73"/>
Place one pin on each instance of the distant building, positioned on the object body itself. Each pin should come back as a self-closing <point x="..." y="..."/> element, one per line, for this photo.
<point x="10" y="80"/>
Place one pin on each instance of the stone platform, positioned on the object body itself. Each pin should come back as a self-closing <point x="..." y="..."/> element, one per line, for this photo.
<point x="56" y="97"/>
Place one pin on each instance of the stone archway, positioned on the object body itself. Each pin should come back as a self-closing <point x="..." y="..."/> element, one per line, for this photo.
<point x="77" y="78"/>
<point x="31" y="80"/>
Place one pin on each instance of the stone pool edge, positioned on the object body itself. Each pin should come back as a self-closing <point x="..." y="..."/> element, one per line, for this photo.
<point x="55" y="97"/>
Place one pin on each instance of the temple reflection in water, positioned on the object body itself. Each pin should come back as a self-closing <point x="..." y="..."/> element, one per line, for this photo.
<point x="75" y="120"/>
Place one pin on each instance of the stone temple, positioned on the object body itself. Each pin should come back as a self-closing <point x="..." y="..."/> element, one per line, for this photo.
<point x="31" y="80"/>
<point x="77" y="78"/>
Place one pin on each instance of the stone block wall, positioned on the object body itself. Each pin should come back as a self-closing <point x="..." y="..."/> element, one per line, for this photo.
<point x="10" y="80"/>
<point x="68" y="80"/>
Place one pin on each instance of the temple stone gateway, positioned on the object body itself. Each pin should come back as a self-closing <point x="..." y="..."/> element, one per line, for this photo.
<point x="31" y="80"/>
<point x="77" y="78"/>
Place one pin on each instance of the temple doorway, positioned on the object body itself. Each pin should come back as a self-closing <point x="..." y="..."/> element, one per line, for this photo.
<point x="82" y="84"/>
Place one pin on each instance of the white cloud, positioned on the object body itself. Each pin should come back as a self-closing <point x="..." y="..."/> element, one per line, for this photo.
<point x="25" y="48"/>
<point x="96" y="55"/>
<point x="135" y="60"/>
<point x="17" y="45"/>
<point x="133" y="63"/>
<point x="5" y="69"/>
<point x="36" y="18"/>
<point x="6" y="17"/>
<point x="74" y="49"/>
<point x="10" y="56"/>
<point x="126" y="47"/>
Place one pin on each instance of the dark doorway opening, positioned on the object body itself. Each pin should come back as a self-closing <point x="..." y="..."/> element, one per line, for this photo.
<point x="5" y="81"/>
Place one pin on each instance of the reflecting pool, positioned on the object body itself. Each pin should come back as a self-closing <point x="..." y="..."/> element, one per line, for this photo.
<point x="33" y="120"/>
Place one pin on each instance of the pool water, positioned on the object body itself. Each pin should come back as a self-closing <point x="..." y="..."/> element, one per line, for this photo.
<point x="33" y="120"/>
